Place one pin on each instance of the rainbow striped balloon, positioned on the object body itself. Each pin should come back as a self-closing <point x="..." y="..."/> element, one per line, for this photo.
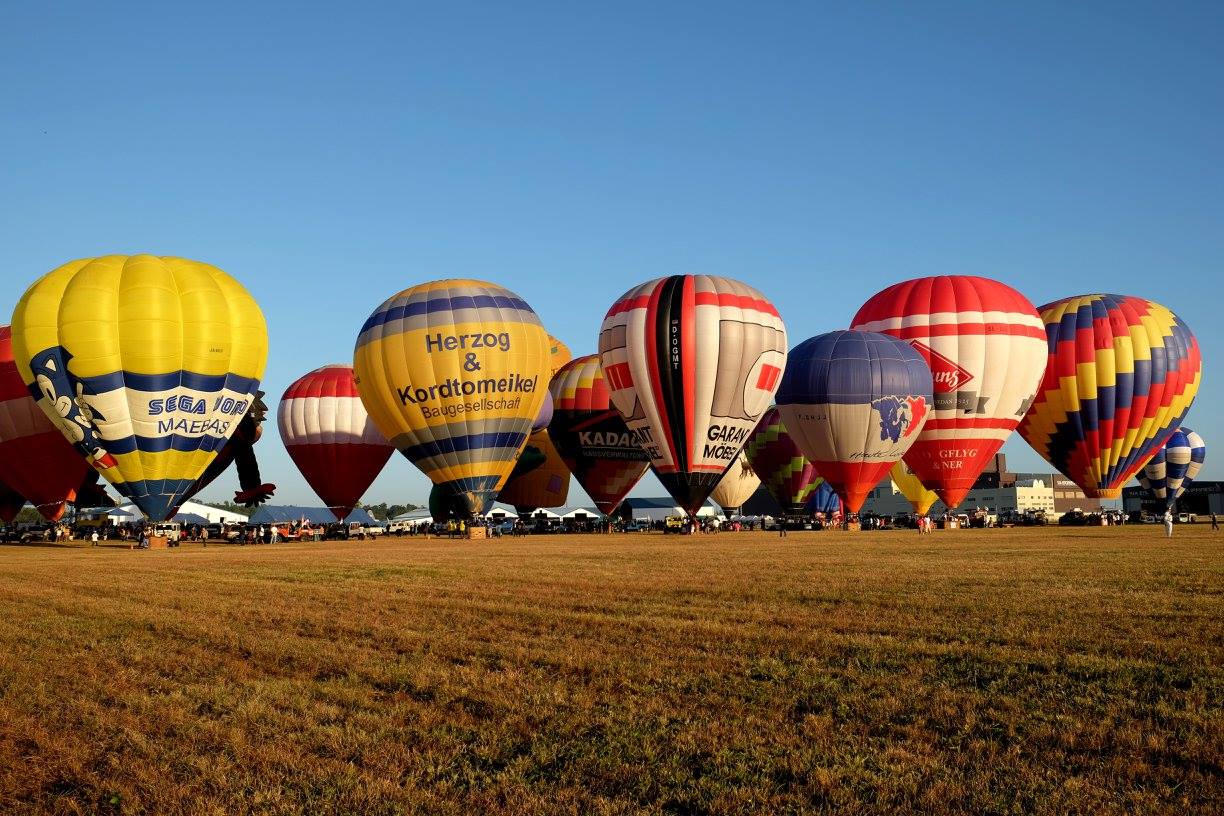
<point x="1121" y="375"/>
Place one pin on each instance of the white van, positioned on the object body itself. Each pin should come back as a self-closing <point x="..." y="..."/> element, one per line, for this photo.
<point x="170" y="530"/>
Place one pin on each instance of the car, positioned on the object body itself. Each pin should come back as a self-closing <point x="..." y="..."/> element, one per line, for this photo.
<point x="172" y="531"/>
<point x="1187" y="518"/>
<point x="399" y="527"/>
<point x="374" y="530"/>
<point x="503" y="527"/>
<point x="635" y="526"/>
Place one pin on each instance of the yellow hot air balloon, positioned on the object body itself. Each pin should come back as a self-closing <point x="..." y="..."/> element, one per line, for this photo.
<point x="453" y="372"/>
<point x="544" y="480"/>
<point x="912" y="488"/>
<point x="558" y="354"/>
<point x="145" y="364"/>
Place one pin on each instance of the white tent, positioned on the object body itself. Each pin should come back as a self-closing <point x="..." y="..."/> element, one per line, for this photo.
<point x="579" y="513"/>
<point x="130" y="512"/>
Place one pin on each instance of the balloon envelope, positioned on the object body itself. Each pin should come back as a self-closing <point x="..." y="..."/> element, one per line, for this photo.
<point x="35" y="459"/>
<point x="1122" y="373"/>
<point x="854" y="402"/>
<point x="453" y="373"/>
<point x="1175" y="466"/>
<point x="331" y="438"/>
<point x="912" y="488"/>
<point x="786" y="472"/>
<point x="11" y="503"/>
<point x="985" y="345"/>
<point x="597" y="446"/>
<point x="691" y="362"/>
<point x="823" y="500"/>
<point x="145" y="364"/>
<point x="737" y="486"/>
<point x="544" y="485"/>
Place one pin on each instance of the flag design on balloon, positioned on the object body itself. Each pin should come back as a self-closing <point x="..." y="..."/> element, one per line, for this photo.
<point x="854" y="402"/>
<point x="736" y="486"/>
<point x="36" y="462"/>
<point x="331" y="438"/>
<point x="985" y="345"/>
<point x="145" y="364"/>
<point x="787" y="474"/>
<point x="1175" y="466"/>
<point x="592" y="437"/>
<point x="691" y="362"/>
<point x="453" y="373"/>
<point x="1122" y="373"/>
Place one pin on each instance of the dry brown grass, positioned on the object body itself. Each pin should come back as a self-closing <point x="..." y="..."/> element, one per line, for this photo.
<point x="973" y="672"/>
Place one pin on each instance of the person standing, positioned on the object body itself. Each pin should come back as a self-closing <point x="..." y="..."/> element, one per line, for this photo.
<point x="1215" y="524"/>
<point x="1168" y="523"/>
<point x="93" y="537"/>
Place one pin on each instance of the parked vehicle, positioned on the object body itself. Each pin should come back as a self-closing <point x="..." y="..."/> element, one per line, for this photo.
<point x="172" y="531"/>
<point x="374" y="530"/>
<point x="1073" y="518"/>
<point x="674" y="524"/>
<point x="1187" y="518"/>
<point x="636" y="526"/>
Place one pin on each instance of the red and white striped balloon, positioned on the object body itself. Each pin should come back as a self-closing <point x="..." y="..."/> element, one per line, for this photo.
<point x="331" y="438"/>
<point x="986" y="346"/>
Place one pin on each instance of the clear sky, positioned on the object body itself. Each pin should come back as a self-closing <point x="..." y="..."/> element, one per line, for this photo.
<point x="329" y="155"/>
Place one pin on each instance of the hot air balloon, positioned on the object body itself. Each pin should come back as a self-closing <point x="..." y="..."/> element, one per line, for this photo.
<point x="453" y="372"/>
<point x="1175" y="466"/>
<point x="985" y="346"/>
<point x="736" y="487"/>
<point x="545" y="416"/>
<point x="35" y="459"/>
<point x="692" y="361"/>
<point x="331" y="438"/>
<point x="823" y="500"/>
<point x="558" y="354"/>
<point x="11" y="503"/>
<point x="854" y="402"/>
<point x="912" y="488"/>
<point x="788" y="476"/>
<point x="1122" y="374"/>
<point x="597" y="446"/>
<point x="145" y="364"/>
<point x="544" y="484"/>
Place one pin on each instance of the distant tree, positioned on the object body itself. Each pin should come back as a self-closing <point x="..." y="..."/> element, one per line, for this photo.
<point x="384" y="512"/>
<point x="28" y="515"/>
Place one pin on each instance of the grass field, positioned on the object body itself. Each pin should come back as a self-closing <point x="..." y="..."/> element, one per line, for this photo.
<point x="972" y="672"/>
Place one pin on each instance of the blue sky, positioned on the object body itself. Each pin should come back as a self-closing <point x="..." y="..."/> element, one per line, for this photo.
<point x="331" y="155"/>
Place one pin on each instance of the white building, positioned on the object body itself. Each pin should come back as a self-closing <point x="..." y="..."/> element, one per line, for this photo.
<point x="129" y="512"/>
<point x="888" y="500"/>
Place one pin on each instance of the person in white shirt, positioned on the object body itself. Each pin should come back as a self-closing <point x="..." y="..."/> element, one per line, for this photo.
<point x="94" y="538"/>
<point x="1168" y="522"/>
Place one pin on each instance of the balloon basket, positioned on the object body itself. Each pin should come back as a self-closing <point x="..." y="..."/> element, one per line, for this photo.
<point x="477" y="532"/>
<point x="159" y="543"/>
<point x="854" y="526"/>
